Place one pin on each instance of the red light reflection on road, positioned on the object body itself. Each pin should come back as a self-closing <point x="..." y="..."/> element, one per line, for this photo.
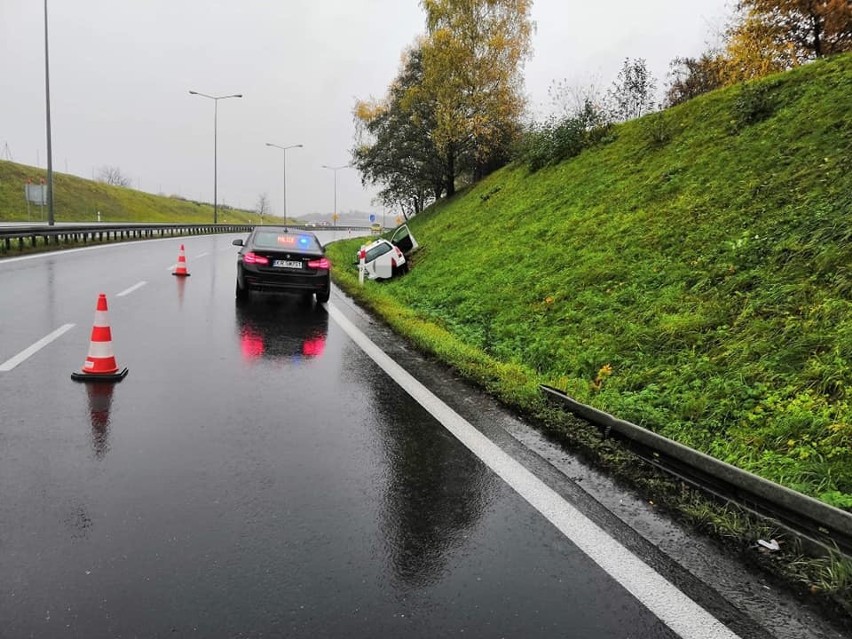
<point x="313" y="346"/>
<point x="251" y="343"/>
<point x="252" y="346"/>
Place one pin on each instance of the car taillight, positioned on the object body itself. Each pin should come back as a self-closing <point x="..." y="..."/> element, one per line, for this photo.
<point x="254" y="258"/>
<point x="322" y="263"/>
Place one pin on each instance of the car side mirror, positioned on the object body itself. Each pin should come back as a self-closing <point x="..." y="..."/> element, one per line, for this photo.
<point x="237" y="242"/>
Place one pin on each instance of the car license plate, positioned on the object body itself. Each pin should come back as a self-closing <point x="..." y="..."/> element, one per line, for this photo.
<point x="286" y="264"/>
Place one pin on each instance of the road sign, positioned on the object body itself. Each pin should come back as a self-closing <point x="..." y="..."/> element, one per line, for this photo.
<point x="36" y="193"/>
<point x="372" y="217"/>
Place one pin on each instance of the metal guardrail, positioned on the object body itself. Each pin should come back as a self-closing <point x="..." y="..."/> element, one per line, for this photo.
<point x="811" y="520"/>
<point x="59" y="235"/>
<point x="21" y="237"/>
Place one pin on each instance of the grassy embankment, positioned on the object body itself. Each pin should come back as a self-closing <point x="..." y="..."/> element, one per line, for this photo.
<point x="693" y="275"/>
<point x="79" y="200"/>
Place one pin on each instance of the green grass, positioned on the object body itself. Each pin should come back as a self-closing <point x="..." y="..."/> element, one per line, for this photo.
<point x="710" y="268"/>
<point x="79" y="200"/>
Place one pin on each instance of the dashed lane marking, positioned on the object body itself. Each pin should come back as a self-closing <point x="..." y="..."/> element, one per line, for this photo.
<point x="25" y="354"/>
<point x="680" y="613"/>
<point x="128" y="291"/>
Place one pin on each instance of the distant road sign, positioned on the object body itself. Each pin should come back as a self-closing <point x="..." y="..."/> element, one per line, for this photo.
<point x="36" y="193"/>
<point x="372" y="217"/>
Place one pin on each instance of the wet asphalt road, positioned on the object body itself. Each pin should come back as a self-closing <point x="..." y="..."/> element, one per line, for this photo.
<point x="255" y="475"/>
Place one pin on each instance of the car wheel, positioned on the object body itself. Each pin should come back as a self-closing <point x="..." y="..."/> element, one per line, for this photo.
<point x="400" y="270"/>
<point x="242" y="294"/>
<point x="322" y="296"/>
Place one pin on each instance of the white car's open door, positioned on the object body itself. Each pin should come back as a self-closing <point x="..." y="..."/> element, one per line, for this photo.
<point x="403" y="239"/>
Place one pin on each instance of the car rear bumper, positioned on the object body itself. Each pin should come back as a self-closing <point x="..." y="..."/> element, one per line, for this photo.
<point x="257" y="280"/>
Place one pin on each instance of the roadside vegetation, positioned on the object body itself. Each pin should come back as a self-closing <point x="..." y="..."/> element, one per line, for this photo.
<point x="456" y="111"/>
<point x="691" y="272"/>
<point x="697" y="284"/>
<point x="79" y="200"/>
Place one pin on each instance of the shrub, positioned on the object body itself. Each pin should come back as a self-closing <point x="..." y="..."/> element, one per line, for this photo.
<point x="554" y="141"/>
<point x="755" y="103"/>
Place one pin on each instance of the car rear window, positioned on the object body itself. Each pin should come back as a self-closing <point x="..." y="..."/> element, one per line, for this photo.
<point x="379" y="249"/>
<point x="286" y="241"/>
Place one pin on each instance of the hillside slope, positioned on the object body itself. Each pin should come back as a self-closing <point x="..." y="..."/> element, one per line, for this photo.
<point x="693" y="275"/>
<point x="79" y="200"/>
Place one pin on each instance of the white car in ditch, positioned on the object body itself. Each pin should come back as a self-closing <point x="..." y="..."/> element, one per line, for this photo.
<point x="384" y="259"/>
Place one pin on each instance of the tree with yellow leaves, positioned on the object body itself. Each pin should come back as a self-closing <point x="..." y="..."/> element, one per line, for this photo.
<point x="816" y="28"/>
<point x="393" y="145"/>
<point x="473" y="56"/>
<point x="774" y="35"/>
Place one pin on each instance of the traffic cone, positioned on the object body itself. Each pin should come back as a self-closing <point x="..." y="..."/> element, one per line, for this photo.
<point x="180" y="268"/>
<point x="100" y="364"/>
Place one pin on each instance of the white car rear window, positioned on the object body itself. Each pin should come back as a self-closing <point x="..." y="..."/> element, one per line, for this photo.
<point x="376" y="251"/>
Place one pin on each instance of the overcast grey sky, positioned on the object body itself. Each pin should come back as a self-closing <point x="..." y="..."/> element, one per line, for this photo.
<point x="121" y="71"/>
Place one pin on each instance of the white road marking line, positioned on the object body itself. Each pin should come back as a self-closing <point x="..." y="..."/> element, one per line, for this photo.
<point x="128" y="291"/>
<point x="172" y="267"/>
<point x="205" y="254"/>
<point x="9" y="364"/>
<point x="680" y="613"/>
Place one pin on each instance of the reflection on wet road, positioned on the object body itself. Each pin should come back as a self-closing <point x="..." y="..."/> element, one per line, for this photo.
<point x="100" y="400"/>
<point x="254" y="475"/>
<point x="433" y="496"/>
<point x="281" y="327"/>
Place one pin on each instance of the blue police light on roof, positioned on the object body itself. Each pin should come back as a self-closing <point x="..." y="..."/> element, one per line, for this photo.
<point x="304" y="241"/>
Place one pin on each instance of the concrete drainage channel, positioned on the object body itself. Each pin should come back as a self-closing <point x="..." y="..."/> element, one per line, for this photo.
<point x="821" y="528"/>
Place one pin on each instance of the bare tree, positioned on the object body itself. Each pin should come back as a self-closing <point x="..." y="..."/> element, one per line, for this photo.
<point x="263" y="207"/>
<point x="113" y="175"/>
<point x="691" y="77"/>
<point x="633" y="92"/>
<point x="569" y="99"/>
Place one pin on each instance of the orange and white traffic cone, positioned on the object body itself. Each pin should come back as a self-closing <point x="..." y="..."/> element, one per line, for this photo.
<point x="100" y="364"/>
<point x="180" y="267"/>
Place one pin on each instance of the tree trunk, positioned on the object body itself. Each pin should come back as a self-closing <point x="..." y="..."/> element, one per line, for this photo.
<point x="817" y="28"/>
<point x="450" y="177"/>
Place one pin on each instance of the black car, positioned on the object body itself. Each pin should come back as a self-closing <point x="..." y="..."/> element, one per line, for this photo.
<point x="278" y="259"/>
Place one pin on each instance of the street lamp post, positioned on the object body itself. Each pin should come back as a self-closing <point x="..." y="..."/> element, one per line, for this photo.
<point x="335" y="169"/>
<point x="284" y="148"/>
<point x="50" y="218"/>
<point x="216" y="99"/>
